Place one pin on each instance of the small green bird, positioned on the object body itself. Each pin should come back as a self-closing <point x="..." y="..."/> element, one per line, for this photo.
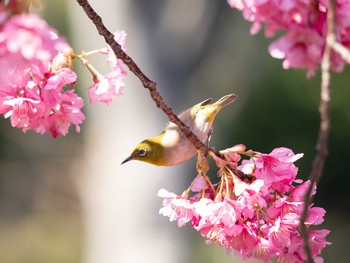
<point x="171" y="147"/>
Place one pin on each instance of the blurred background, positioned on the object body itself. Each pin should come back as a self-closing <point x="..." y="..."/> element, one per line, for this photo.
<point x="69" y="199"/>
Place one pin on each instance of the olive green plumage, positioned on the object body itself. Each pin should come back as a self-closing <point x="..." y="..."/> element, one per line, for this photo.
<point x="171" y="147"/>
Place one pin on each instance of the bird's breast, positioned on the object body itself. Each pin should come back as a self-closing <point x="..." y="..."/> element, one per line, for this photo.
<point x="177" y="148"/>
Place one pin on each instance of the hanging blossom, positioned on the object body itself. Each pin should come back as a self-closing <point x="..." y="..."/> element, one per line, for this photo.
<point x="36" y="77"/>
<point x="254" y="210"/>
<point x="304" y="24"/>
<point x="108" y="86"/>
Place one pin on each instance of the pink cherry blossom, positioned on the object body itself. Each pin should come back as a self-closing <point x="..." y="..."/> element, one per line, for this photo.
<point x="316" y="215"/>
<point x="283" y="206"/>
<point x="300" y="48"/>
<point x="257" y="216"/>
<point x="45" y="107"/>
<point x="27" y="41"/>
<point x="22" y="111"/>
<point x="37" y="80"/>
<point x="294" y="252"/>
<point x="176" y="207"/>
<point x="282" y="230"/>
<point x="66" y="112"/>
<point x="108" y="86"/>
<point x="33" y="94"/>
<point x="317" y="240"/>
<point x="200" y="183"/>
<point x="277" y="168"/>
<point x="298" y="192"/>
<point x="304" y="27"/>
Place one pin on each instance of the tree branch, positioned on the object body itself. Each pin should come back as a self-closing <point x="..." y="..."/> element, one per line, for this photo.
<point x="323" y="135"/>
<point x="146" y="82"/>
<point x="340" y="49"/>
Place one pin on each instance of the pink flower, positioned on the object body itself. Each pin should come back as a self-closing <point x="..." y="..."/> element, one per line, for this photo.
<point x="294" y="252"/>
<point x="280" y="233"/>
<point x="303" y="24"/>
<point x="201" y="188"/>
<point x="32" y="93"/>
<point x="23" y="112"/>
<point x="254" y="218"/>
<point x="232" y="153"/>
<point x="215" y="213"/>
<point x="252" y="196"/>
<point x="108" y="86"/>
<point x="262" y="250"/>
<point x="27" y="41"/>
<point x="53" y="86"/>
<point x="316" y="215"/>
<point x="297" y="193"/>
<point x="66" y="112"/>
<point x="282" y="206"/>
<point x="244" y="243"/>
<point x="318" y="241"/>
<point x="176" y="207"/>
<point x="45" y="109"/>
<point x="217" y="220"/>
<point x="300" y="48"/>
<point x="277" y="168"/>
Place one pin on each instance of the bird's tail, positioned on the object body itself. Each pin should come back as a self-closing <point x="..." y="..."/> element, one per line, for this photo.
<point x="226" y="100"/>
<point x="211" y="110"/>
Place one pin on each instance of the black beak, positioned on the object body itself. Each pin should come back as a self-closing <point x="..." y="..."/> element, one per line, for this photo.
<point x="128" y="159"/>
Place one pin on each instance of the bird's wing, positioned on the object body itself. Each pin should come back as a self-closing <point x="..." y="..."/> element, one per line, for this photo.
<point x="187" y="116"/>
<point x="205" y="102"/>
<point x="226" y="100"/>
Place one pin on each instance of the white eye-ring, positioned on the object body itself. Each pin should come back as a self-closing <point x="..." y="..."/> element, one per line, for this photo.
<point x="141" y="152"/>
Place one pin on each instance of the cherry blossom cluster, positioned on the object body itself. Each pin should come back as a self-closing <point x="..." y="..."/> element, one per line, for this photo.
<point x="37" y="78"/>
<point x="304" y="23"/>
<point x="255" y="208"/>
<point x="109" y="85"/>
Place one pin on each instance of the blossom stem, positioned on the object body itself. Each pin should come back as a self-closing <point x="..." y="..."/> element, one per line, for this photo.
<point x="211" y="185"/>
<point x="222" y="180"/>
<point x="85" y="54"/>
<point x="186" y="193"/>
<point x="204" y="177"/>
<point x="257" y="213"/>
<point x="227" y="186"/>
<point x="323" y="135"/>
<point x="92" y="52"/>
<point x="90" y="67"/>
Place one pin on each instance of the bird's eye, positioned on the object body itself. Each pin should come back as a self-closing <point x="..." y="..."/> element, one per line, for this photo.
<point x="141" y="152"/>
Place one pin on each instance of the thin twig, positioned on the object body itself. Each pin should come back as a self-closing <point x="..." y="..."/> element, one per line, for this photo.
<point x="146" y="82"/>
<point x="340" y="49"/>
<point x="323" y="135"/>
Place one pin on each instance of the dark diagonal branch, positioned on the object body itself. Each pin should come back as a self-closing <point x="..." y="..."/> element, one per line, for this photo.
<point x="323" y="135"/>
<point x="146" y="82"/>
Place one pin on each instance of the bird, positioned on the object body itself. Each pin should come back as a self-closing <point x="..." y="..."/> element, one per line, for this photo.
<point x="171" y="147"/>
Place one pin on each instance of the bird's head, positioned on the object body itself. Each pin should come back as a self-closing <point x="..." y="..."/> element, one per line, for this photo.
<point x="149" y="151"/>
